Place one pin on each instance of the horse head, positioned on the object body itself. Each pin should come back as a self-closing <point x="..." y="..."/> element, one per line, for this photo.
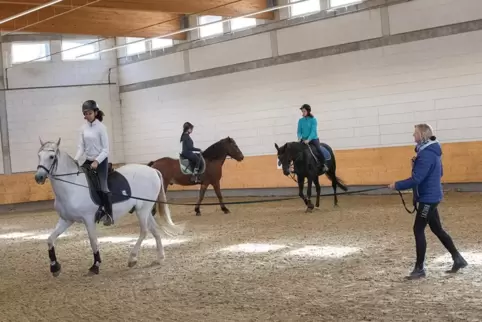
<point x="232" y="149"/>
<point x="48" y="155"/>
<point x="284" y="157"/>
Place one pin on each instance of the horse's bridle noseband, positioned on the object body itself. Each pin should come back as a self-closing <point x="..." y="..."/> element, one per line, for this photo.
<point x="54" y="165"/>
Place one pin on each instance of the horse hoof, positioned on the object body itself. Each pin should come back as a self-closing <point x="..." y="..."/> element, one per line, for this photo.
<point x="94" y="270"/>
<point x="55" y="269"/>
<point x="309" y="210"/>
<point x="156" y="263"/>
<point x="226" y="211"/>
<point x="132" y="264"/>
<point x="198" y="214"/>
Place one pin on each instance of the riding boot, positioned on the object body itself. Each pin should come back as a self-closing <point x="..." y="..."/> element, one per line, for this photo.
<point x="109" y="216"/>
<point x="195" y="176"/>
<point x="325" y="167"/>
<point x="418" y="272"/>
<point x="459" y="262"/>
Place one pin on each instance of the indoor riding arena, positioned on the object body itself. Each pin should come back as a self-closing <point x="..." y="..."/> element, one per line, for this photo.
<point x="239" y="72"/>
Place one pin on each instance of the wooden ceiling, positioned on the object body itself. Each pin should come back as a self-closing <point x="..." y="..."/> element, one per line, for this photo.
<point x="133" y="18"/>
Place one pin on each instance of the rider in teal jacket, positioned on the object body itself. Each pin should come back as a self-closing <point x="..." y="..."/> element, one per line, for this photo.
<point x="308" y="132"/>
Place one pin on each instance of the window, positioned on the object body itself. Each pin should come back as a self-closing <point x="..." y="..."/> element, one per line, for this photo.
<point x="159" y="43"/>
<point x="25" y="52"/>
<point x="211" y="30"/>
<point x="306" y="7"/>
<point x="137" y="48"/>
<point x="77" y="47"/>
<point x="339" y="3"/>
<point x="242" y="23"/>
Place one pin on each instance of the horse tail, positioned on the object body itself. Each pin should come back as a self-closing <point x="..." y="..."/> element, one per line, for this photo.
<point x="150" y="163"/>
<point x="331" y="174"/>
<point x="163" y="207"/>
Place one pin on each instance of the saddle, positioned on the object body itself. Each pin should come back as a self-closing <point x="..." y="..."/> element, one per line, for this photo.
<point x="188" y="169"/>
<point x="116" y="182"/>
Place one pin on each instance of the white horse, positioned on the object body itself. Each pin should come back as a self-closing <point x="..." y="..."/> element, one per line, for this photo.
<point x="73" y="201"/>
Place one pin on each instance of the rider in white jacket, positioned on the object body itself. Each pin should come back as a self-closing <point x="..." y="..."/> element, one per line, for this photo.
<point x="94" y="144"/>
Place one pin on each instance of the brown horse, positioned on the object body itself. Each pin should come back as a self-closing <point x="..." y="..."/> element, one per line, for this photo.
<point x="214" y="158"/>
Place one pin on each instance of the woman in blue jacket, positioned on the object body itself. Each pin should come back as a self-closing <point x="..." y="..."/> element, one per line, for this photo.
<point x="308" y="132"/>
<point x="427" y="172"/>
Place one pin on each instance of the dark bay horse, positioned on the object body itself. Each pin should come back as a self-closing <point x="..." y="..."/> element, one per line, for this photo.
<point x="306" y="165"/>
<point x="214" y="158"/>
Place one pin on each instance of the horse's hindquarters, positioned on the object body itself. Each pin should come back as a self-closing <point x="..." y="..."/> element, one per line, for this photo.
<point x="144" y="181"/>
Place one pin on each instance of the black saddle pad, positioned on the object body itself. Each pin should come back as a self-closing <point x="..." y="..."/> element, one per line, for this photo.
<point x="117" y="183"/>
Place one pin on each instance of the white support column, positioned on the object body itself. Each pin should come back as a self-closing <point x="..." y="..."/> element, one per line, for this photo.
<point x="7" y="164"/>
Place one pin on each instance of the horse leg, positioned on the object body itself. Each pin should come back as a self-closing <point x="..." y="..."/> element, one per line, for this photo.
<point x="92" y="232"/>
<point x="301" y="183"/>
<point x="217" y="190"/>
<point x="335" y="197"/>
<point x="60" y="228"/>
<point x="142" y="235"/>
<point x="316" y="180"/>
<point x="202" y="191"/>
<point x="308" y="192"/>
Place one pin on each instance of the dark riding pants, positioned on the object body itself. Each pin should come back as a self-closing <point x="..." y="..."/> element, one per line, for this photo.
<point x="193" y="158"/>
<point x="102" y="172"/>
<point x="316" y="144"/>
<point x="428" y="214"/>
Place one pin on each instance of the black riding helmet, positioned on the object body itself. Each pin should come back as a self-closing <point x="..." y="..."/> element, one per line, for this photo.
<point x="306" y="107"/>
<point x="187" y="126"/>
<point x="90" y="105"/>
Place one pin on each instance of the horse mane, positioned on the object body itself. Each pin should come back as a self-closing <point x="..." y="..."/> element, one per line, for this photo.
<point x="294" y="146"/>
<point x="216" y="151"/>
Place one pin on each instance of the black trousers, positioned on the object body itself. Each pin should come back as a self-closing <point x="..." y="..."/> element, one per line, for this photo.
<point x="316" y="144"/>
<point x="428" y="214"/>
<point x="194" y="158"/>
<point x="102" y="172"/>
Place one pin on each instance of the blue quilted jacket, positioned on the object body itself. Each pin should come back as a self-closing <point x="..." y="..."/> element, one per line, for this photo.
<point x="427" y="172"/>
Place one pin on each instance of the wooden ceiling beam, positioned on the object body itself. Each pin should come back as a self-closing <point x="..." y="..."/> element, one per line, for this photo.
<point x="97" y="21"/>
<point x="212" y="7"/>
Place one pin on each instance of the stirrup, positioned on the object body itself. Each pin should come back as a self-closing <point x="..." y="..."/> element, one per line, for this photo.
<point x="108" y="219"/>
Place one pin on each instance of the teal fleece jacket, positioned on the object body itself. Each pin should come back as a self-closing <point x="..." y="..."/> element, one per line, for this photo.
<point x="307" y="128"/>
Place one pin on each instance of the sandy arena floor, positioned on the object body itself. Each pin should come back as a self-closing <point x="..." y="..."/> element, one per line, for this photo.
<point x="264" y="262"/>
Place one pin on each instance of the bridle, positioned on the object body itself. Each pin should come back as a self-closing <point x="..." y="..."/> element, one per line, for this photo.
<point x="53" y="167"/>
<point x="51" y="171"/>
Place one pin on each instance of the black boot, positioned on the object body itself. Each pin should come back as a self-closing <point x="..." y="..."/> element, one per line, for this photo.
<point x="108" y="217"/>
<point x="459" y="262"/>
<point x="325" y="168"/>
<point x="418" y="272"/>
<point x="195" y="176"/>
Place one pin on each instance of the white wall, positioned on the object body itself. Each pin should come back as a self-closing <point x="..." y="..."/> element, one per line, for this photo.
<point x="55" y="110"/>
<point x="362" y="99"/>
<point x="341" y="30"/>
<point x="422" y="14"/>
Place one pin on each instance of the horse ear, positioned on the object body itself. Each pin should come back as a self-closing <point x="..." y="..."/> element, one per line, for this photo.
<point x="58" y="142"/>
<point x="41" y="142"/>
<point x="276" y="146"/>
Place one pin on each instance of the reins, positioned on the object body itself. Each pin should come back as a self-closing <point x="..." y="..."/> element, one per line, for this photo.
<point x="57" y="177"/>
